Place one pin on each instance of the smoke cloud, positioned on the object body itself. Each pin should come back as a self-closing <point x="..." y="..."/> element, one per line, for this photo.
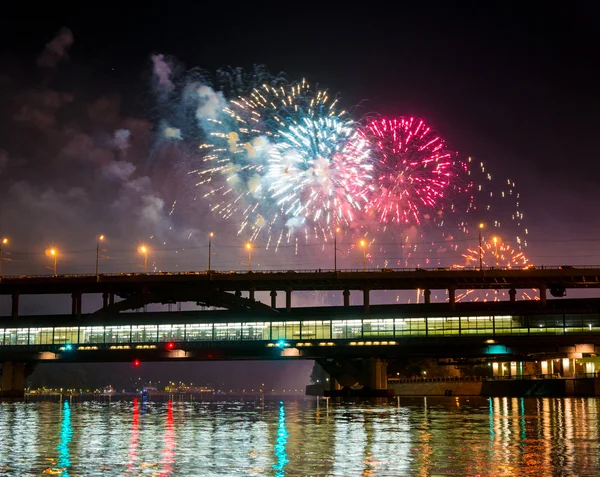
<point x="56" y="50"/>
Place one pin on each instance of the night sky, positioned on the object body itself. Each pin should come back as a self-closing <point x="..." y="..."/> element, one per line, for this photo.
<point x="512" y="85"/>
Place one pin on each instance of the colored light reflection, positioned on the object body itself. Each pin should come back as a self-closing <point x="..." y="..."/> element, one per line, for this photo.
<point x="135" y="436"/>
<point x="168" y="453"/>
<point x="281" y="443"/>
<point x="66" y="434"/>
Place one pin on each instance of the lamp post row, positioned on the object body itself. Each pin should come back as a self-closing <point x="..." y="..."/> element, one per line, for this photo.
<point x="143" y="249"/>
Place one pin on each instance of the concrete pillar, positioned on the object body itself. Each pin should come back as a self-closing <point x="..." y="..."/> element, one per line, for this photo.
<point x="111" y="299"/>
<point x="250" y="294"/>
<point x="568" y="368"/>
<point x="15" y="305"/>
<point x="104" y="300"/>
<point x="13" y="380"/>
<point x="513" y="294"/>
<point x="73" y="303"/>
<point x="543" y="289"/>
<point x="366" y="300"/>
<point x="346" y="297"/>
<point x="452" y="297"/>
<point x="495" y="369"/>
<point x="273" y="299"/>
<point x="79" y="300"/>
<point x="513" y="368"/>
<point x="427" y="296"/>
<point x="288" y="300"/>
<point x="377" y="374"/>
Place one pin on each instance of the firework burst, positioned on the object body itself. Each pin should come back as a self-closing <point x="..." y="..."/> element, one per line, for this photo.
<point x="314" y="170"/>
<point x="415" y="172"/>
<point x="494" y="254"/>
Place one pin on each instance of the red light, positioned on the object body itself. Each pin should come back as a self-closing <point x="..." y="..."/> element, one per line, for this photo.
<point x="170" y="345"/>
<point x="136" y="363"/>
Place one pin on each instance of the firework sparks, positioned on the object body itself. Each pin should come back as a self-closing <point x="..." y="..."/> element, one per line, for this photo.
<point x="494" y="254"/>
<point x="415" y="172"/>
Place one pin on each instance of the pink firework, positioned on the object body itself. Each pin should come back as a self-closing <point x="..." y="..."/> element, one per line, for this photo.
<point x="415" y="173"/>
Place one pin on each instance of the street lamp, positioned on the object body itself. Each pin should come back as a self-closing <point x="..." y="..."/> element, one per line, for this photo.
<point x="53" y="253"/>
<point x="335" y="249"/>
<point x="100" y="239"/>
<point x="210" y="236"/>
<point x="363" y="244"/>
<point x="249" y="248"/>
<point x="496" y="240"/>
<point x="4" y="242"/>
<point x="144" y="250"/>
<point x="480" y="249"/>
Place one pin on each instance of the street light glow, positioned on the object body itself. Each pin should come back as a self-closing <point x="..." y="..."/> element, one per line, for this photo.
<point x="4" y="241"/>
<point x="142" y="249"/>
<point x="363" y="243"/>
<point x="248" y="246"/>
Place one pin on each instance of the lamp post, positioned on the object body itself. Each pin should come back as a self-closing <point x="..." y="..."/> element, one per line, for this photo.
<point x="363" y="244"/>
<point x="496" y="240"/>
<point x="249" y="248"/>
<point x="53" y="253"/>
<point x="100" y="239"/>
<point x="480" y="249"/>
<point x="335" y="249"/>
<point x="2" y="243"/>
<point x="210" y="236"/>
<point x="144" y="250"/>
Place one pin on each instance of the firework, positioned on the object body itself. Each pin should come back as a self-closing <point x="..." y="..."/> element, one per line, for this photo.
<point x="269" y="149"/>
<point x="494" y="254"/>
<point x="415" y="173"/>
<point x="315" y="168"/>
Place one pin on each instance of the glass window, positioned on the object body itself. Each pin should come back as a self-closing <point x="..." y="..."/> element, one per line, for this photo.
<point x="92" y="335"/>
<point x="16" y="336"/>
<point x="256" y="331"/>
<point x="319" y="330"/>
<point x="144" y="334"/>
<point x="117" y="334"/>
<point x="63" y="335"/>
<point x="228" y="331"/>
<point x="346" y="329"/>
<point x="377" y="328"/>
<point x="199" y="332"/>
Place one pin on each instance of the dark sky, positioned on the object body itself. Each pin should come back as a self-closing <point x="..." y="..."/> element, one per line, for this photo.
<point x="512" y="84"/>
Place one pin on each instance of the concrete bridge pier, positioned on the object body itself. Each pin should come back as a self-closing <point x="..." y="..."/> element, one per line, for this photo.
<point x="76" y="303"/>
<point x="427" y="296"/>
<point x="513" y="294"/>
<point x="15" y="305"/>
<point x="543" y="290"/>
<point x="452" y="297"/>
<point x="13" y="380"/>
<point x="346" y="297"/>
<point x="288" y="300"/>
<point x="366" y="300"/>
<point x="273" y="299"/>
<point x="104" y="300"/>
<point x="378" y="374"/>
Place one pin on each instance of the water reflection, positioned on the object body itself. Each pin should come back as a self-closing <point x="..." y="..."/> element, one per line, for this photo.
<point x="281" y="443"/>
<point x="66" y="434"/>
<point x="416" y="436"/>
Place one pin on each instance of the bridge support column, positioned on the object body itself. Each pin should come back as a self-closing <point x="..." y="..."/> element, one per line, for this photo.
<point x="111" y="299"/>
<point x="378" y="374"/>
<point x="273" y="299"/>
<point x="104" y="300"/>
<point x="346" y="297"/>
<point x="13" y="380"/>
<point x="15" y="305"/>
<point x="250" y="294"/>
<point x="543" y="289"/>
<point x="76" y="303"/>
<point x="568" y="368"/>
<point x="513" y="294"/>
<point x="427" y="296"/>
<point x="452" y="297"/>
<point x="366" y="300"/>
<point x="288" y="300"/>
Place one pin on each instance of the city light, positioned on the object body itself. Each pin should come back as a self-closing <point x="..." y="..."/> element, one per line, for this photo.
<point x="363" y="244"/>
<point x="144" y="251"/>
<point x="249" y="248"/>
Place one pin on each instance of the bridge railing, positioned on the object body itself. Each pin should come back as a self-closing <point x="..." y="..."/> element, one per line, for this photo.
<point x="306" y="271"/>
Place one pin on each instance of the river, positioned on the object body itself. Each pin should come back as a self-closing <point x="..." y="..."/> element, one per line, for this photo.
<point x="301" y="437"/>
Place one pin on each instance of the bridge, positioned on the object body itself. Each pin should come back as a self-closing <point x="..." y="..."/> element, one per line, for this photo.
<point x="352" y="343"/>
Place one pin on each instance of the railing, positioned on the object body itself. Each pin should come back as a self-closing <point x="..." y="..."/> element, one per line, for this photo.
<point x="311" y="271"/>
<point x="441" y="379"/>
